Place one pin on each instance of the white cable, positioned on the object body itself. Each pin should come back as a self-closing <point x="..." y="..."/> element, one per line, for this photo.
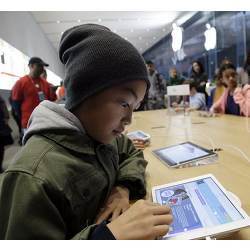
<point x="211" y="140"/>
<point x="239" y="150"/>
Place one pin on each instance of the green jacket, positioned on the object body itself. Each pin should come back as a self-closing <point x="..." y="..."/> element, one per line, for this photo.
<point x="60" y="179"/>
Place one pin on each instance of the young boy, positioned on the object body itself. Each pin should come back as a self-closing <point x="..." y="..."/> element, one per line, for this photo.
<point x="76" y="173"/>
<point x="197" y="101"/>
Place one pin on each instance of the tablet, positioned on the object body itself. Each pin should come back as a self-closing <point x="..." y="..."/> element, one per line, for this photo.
<point x="201" y="207"/>
<point x="138" y="134"/>
<point x="183" y="153"/>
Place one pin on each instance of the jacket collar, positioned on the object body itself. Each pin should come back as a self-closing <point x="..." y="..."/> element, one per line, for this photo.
<point x="77" y="142"/>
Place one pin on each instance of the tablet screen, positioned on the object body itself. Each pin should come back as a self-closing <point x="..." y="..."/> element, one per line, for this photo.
<point x="137" y="135"/>
<point x="182" y="153"/>
<point x="197" y="204"/>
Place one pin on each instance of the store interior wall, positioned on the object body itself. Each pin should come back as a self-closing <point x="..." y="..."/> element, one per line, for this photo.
<point x="20" y="29"/>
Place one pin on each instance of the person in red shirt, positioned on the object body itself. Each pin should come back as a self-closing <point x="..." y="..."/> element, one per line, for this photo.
<point x="30" y="90"/>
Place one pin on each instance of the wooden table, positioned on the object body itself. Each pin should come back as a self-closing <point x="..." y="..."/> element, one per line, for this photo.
<point x="225" y="132"/>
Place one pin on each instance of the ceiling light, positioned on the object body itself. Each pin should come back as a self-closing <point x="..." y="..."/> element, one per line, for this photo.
<point x="57" y="21"/>
<point x="125" y="38"/>
<point x="132" y="30"/>
<point x="176" y="37"/>
<point x="154" y="37"/>
<point x="78" y="20"/>
<point x="99" y="20"/>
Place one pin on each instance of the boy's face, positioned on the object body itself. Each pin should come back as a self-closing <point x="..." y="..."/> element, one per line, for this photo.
<point x="229" y="77"/>
<point x="105" y="115"/>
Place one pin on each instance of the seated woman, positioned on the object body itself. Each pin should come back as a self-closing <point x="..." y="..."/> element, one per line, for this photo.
<point x="234" y="101"/>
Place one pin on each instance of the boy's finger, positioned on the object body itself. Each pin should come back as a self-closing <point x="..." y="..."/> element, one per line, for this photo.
<point x="116" y="214"/>
<point x="125" y="208"/>
<point x="160" y="230"/>
<point x="104" y="215"/>
<point x="165" y="219"/>
<point x="157" y="210"/>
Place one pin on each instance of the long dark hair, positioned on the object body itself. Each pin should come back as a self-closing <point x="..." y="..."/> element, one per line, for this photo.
<point x="224" y="67"/>
<point x="200" y="65"/>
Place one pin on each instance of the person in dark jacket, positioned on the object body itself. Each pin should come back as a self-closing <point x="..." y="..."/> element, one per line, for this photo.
<point x="77" y="172"/>
<point x="175" y="78"/>
<point x="5" y="130"/>
<point x="199" y="77"/>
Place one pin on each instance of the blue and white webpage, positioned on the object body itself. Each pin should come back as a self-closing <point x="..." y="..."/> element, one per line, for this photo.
<point x="197" y="204"/>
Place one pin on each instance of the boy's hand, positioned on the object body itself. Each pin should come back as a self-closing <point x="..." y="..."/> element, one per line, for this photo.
<point x="143" y="220"/>
<point x="140" y="144"/>
<point x="117" y="203"/>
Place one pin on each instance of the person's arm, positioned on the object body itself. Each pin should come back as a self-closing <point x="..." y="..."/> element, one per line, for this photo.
<point x="203" y="79"/>
<point x="17" y="98"/>
<point x="242" y="97"/>
<point x="4" y="109"/>
<point x="52" y="94"/>
<point x="16" y="105"/>
<point x="28" y="210"/>
<point x="217" y="107"/>
<point x="132" y="167"/>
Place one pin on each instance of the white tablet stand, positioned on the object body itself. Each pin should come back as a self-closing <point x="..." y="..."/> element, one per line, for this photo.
<point x="177" y="90"/>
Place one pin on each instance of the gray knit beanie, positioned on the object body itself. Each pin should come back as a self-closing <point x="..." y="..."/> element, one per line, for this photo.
<point x="96" y="58"/>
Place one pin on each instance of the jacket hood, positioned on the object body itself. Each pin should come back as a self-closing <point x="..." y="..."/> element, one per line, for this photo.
<point x="51" y="116"/>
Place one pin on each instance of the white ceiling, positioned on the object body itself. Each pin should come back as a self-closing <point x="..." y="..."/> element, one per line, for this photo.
<point x="141" y="28"/>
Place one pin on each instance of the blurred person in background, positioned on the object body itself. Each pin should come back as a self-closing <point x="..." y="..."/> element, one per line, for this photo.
<point x="155" y="97"/>
<point x="52" y="86"/>
<point x="175" y="78"/>
<point x="244" y="73"/>
<point x="5" y="131"/>
<point x="196" y="100"/>
<point x="30" y="90"/>
<point x="217" y="91"/>
<point x="60" y="93"/>
<point x="235" y="99"/>
<point x="199" y="77"/>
